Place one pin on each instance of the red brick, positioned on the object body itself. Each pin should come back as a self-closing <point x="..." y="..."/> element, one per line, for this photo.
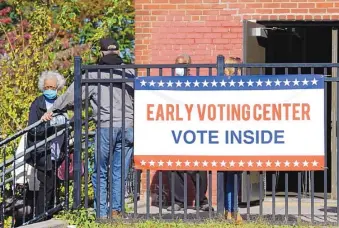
<point x="253" y="5"/>
<point x="193" y="12"/>
<point x="230" y="35"/>
<point x="281" y="11"/>
<point x="264" y="11"/>
<point x="221" y="29"/>
<point x="289" y="5"/>
<point x="306" y="5"/>
<point x="203" y="41"/>
<point x="193" y="1"/>
<point x="317" y="10"/>
<point x="150" y="6"/>
<point x="221" y="41"/>
<point x="157" y="1"/>
<point x="325" y="5"/>
<point x="271" y="5"/>
<point x="162" y="6"/>
<point x="299" y="10"/>
<point x="332" y="10"/>
<point x="212" y="35"/>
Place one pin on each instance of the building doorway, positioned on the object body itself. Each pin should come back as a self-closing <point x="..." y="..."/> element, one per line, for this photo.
<point x="292" y="42"/>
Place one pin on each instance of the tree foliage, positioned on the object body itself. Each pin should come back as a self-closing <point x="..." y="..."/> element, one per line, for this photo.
<point x="38" y="35"/>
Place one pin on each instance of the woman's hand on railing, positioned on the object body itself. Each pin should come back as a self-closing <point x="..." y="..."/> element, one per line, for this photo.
<point x="47" y="116"/>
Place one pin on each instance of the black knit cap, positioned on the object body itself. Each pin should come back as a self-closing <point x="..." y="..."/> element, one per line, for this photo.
<point x="108" y="44"/>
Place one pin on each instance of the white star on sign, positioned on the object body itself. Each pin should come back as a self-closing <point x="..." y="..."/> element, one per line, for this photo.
<point x="277" y="82"/>
<point x="241" y="164"/>
<point x="196" y="83"/>
<point x="161" y="83"/>
<point x="152" y="83"/>
<point x="232" y="83"/>
<point x="268" y="164"/>
<point x="287" y="82"/>
<point x="250" y="83"/>
<point x="187" y="163"/>
<point x="187" y="84"/>
<point x="232" y="163"/>
<point x="250" y="164"/>
<point x="287" y="164"/>
<point x="305" y="163"/>
<point x="196" y="163"/>
<point x="296" y="163"/>
<point x="259" y="163"/>
<point x="259" y="83"/>
<point x="178" y="83"/>
<point x="151" y="163"/>
<point x="296" y="82"/>
<point x="223" y="163"/>
<point x="315" y="163"/>
<point x="277" y="164"/>
<point x="143" y="163"/>
<point x="169" y="84"/>
<point x="214" y="163"/>
<point x="214" y="83"/>
<point x="314" y="81"/>
<point x="160" y="163"/>
<point x="143" y="83"/>
<point x="268" y="82"/>
<point x="205" y="163"/>
<point x="178" y="163"/>
<point x="205" y="84"/>
<point x="305" y="82"/>
<point x="169" y="163"/>
<point x="241" y="83"/>
<point x="223" y="83"/>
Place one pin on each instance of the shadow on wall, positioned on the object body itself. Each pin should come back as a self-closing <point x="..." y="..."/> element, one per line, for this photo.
<point x="166" y="190"/>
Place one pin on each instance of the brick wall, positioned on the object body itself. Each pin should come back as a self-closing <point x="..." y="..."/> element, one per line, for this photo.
<point x="206" y="28"/>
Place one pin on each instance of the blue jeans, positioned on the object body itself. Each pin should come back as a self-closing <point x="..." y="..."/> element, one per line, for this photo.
<point x="229" y="196"/>
<point x="116" y="200"/>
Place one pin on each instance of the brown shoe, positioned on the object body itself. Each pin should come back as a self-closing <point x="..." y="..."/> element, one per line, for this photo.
<point x="238" y="218"/>
<point x="116" y="215"/>
<point x="228" y="215"/>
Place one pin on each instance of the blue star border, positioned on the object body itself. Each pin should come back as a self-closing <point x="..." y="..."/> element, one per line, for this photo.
<point x="257" y="82"/>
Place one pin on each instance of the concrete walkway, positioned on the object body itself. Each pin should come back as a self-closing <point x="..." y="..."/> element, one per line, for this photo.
<point x="306" y="211"/>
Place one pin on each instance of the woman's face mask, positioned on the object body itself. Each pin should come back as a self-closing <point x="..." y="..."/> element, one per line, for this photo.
<point x="179" y="71"/>
<point x="50" y="94"/>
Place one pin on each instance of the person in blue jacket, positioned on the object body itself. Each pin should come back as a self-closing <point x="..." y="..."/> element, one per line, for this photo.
<point x="230" y="212"/>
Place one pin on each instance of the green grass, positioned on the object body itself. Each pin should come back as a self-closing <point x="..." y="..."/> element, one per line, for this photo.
<point x="212" y="224"/>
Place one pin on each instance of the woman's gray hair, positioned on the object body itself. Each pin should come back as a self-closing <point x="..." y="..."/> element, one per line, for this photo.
<point x="51" y="74"/>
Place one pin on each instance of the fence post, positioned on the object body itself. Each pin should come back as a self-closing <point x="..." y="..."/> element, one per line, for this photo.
<point x="77" y="132"/>
<point x="220" y="175"/>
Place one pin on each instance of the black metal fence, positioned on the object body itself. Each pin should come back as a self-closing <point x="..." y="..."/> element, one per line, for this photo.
<point x="282" y="197"/>
<point x="311" y="186"/>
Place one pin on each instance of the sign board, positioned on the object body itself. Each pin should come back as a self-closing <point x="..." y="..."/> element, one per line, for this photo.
<point x="248" y="123"/>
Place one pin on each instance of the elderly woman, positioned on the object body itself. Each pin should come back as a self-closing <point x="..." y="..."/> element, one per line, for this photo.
<point x="230" y="212"/>
<point x="45" y="158"/>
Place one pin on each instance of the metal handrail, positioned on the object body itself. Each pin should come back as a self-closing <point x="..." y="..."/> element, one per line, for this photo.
<point x="18" y="165"/>
<point x="23" y="131"/>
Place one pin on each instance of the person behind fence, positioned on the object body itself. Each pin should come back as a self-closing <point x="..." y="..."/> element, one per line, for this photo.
<point x="230" y="212"/>
<point x="182" y="60"/>
<point x="179" y="175"/>
<point x="110" y="56"/>
<point x="46" y="161"/>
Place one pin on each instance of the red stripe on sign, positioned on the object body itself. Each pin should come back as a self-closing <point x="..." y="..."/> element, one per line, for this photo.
<point x="234" y="163"/>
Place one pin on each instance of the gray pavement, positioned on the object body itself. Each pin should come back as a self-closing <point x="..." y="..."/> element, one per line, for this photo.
<point x="267" y="212"/>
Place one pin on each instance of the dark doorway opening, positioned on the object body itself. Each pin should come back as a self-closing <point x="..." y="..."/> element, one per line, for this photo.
<point x="294" y="42"/>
